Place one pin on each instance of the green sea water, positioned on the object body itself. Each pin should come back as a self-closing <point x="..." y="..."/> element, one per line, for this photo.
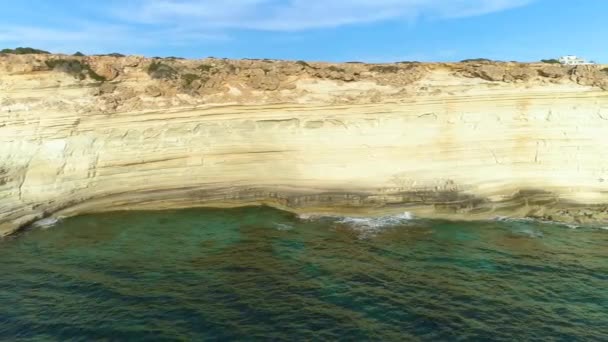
<point x="263" y="274"/>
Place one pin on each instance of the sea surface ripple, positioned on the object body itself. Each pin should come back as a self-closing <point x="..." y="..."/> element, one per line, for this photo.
<point x="263" y="274"/>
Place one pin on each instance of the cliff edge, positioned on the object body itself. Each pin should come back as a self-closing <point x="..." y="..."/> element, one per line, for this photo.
<point x="452" y="140"/>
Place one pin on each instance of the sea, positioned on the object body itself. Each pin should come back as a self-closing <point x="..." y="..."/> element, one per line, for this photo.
<point x="261" y="274"/>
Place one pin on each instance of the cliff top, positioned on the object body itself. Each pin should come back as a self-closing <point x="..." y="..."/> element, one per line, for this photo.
<point x="125" y="83"/>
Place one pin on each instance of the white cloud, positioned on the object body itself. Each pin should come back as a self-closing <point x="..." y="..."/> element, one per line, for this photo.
<point x="294" y="15"/>
<point x="139" y="24"/>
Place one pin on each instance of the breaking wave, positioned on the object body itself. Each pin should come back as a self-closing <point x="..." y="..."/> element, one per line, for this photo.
<point x="365" y="226"/>
<point x="46" y="223"/>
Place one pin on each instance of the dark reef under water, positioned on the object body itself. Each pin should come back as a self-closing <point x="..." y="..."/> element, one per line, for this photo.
<point x="263" y="274"/>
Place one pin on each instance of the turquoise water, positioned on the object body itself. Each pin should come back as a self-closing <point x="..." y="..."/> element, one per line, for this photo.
<point x="263" y="274"/>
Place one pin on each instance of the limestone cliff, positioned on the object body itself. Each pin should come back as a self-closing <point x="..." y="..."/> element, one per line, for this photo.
<point x="465" y="140"/>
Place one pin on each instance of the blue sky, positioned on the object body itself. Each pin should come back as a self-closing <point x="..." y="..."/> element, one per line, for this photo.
<point x="330" y="30"/>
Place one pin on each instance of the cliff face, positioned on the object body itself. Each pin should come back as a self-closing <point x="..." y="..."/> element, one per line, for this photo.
<point x="467" y="140"/>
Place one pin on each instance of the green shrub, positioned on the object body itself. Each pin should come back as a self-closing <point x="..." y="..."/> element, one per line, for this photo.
<point x="304" y="64"/>
<point x="475" y="60"/>
<point x="189" y="78"/>
<point x="385" y="69"/>
<point x="205" y="67"/>
<point x="605" y="70"/>
<point x="75" y="68"/>
<point x="24" y="51"/>
<point x="550" y="61"/>
<point x="159" y="70"/>
<point x="69" y="66"/>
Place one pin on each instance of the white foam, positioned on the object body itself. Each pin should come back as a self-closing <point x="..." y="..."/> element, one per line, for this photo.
<point x="309" y="216"/>
<point x="46" y="223"/>
<point x="376" y="222"/>
<point x="502" y="218"/>
<point x="283" y="226"/>
<point x="365" y="226"/>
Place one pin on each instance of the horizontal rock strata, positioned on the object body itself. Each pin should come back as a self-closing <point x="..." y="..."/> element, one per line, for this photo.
<point x="465" y="140"/>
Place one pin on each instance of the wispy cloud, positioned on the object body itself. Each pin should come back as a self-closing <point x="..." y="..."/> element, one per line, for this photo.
<point x="295" y="15"/>
<point x="156" y="23"/>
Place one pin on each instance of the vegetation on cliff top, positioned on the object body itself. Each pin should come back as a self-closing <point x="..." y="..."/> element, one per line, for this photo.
<point x="550" y="61"/>
<point x="159" y="70"/>
<point x="205" y="67"/>
<point x="189" y="78"/>
<point x="24" y="51"/>
<point x="113" y="54"/>
<point x="74" y="67"/>
<point x="476" y="60"/>
<point x="304" y="64"/>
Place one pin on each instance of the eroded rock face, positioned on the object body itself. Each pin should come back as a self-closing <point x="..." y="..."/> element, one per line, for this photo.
<point x="554" y="71"/>
<point x="520" y="73"/>
<point x="153" y="91"/>
<point x="590" y="76"/>
<point x="465" y="141"/>
<point x="260" y="79"/>
<point x="106" y="69"/>
<point x="489" y="72"/>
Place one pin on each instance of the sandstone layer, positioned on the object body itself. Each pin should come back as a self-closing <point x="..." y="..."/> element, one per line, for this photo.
<point x="464" y="140"/>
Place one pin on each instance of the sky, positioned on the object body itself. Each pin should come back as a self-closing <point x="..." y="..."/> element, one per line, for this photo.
<point x="318" y="30"/>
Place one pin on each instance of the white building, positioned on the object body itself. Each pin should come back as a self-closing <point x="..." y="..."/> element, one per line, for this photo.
<point x="574" y="60"/>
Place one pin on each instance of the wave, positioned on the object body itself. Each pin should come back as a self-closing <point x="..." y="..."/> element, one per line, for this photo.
<point x="377" y="222"/>
<point x="366" y="226"/>
<point x="283" y="226"/>
<point x="371" y="226"/>
<point x="46" y="223"/>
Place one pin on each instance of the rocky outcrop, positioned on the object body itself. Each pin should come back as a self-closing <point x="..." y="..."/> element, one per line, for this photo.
<point x="466" y="140"/>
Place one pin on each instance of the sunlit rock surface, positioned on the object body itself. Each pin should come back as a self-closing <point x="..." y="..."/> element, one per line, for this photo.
<point x="464" y="140"/>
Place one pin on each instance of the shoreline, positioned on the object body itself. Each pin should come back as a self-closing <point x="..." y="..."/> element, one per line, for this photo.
<point x="519" y="208"/>
<point x="362" y="222"/>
